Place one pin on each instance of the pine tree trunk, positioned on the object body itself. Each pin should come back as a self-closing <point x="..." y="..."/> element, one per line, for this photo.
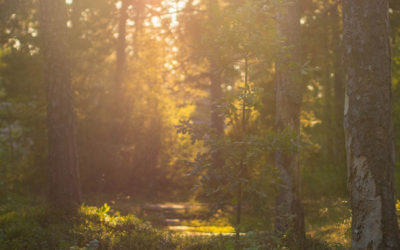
<point x="216" y="94"/>
<point x="139" y="7"/>
<point x="338" y="86"/>
<point x="289" y="210"/>
<point x="63" y="157"/>
<point x="327" y="87"/>
<point x="119" y="105"/>
<point x="368" y="124"/>
<point x="121" y="46"/>
<point x="217" y="118"/>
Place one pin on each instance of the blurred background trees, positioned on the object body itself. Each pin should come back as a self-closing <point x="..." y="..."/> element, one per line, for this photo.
<point x="139" y="67"/>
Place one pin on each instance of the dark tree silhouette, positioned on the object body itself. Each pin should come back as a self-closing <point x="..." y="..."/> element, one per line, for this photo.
<point x="289" y="210"/>
<point x="63" y="157"/>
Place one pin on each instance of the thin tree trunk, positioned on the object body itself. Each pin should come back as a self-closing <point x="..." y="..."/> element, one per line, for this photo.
<point x="338" y="86"/>
<point x="216" y="94"/>
<point x="118" y="104"/>
<point x="217" y="118"/>
<point x="63" y="156"/>
<point x="139" y="9"/>
<point x="289" y="210"/>
<point x="121" y="46"/>
<point x="368" y="124"/>
<point x="242" y="164"/>
<point x="327" y="87"/>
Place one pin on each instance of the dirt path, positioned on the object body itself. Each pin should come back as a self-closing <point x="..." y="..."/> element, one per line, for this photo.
<point x="180" y="217"/>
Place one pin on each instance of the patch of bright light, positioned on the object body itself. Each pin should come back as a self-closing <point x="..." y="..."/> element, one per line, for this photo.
<point x="155" y="20"/>
<point x="118" y="4"/>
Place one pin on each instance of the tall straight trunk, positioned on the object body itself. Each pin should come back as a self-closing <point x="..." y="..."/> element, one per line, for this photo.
<point x="289" y="210"/>
<point x="327" y="88"/>
<point x="338" y="86"/>
<point x="139" y="10"/>
<point x="63" y="156"/>
<point x="368" y="124"/>
<point x="216" y="94"/>
<point x="121" y="47"/>
<point x="118" y="104"/>
<point x="217" y="118"/>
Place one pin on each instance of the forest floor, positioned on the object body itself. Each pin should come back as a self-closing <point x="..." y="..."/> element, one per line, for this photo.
<point x="327" y="219"/>
<point x="107" y="222"/>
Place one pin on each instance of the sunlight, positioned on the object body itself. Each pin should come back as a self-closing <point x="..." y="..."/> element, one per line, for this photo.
<point x="156" y="21"/>
<point x="181" y="121"/>
<point x="118" y="5"/>
<point x="174" y="8"/>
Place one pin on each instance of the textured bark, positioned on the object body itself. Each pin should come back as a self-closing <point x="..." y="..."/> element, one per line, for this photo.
<point x="368" y="124"/>
<point x="289" y="210"/>
<point x="63" y="157"/>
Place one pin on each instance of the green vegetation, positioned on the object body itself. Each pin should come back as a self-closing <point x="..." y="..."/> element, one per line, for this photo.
<point x="182" y="122"/>
<point x="33" y="226"/>
<point x="30" y="224"/>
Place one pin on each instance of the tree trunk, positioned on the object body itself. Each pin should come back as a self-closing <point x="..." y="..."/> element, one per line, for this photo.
<point x="63" y="157"/>
<point x="216" y="94"/>
<point x="289" y="210"/>
<point x="368" y="124"/>
<point x="328" y="148"/>
<point x="217" y="117"/>
<point x="119" y="107"/>
<point x="338" y="86"/>
<point x="139" y="7"/>
<point x="121" y="47"/>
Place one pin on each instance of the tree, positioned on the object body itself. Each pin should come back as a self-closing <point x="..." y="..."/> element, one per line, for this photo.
<point x="121" y="47"/>
<point x="118" y="125"/>
<point x="63" y="157"/>
<point x="289" y="210"/>
<point x="216" y="94"/>
<point x="368" y="124"/>
<point x="338" y="86"/>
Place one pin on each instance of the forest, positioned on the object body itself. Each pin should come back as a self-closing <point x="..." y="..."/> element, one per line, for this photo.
<point x="199" y="124"/>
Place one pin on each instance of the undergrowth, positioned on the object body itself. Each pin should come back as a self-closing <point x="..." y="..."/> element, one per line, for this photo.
<point x="32" y="225"/>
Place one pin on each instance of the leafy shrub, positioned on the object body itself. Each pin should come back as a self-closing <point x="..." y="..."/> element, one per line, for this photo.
<point x="29" y="226"/>
<point x="32" y="225"/>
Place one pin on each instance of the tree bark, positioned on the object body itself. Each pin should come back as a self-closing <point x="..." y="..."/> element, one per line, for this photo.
<point x="216" y="94"/>
<point x="63" y="156"/>
<point x="368" y="124"/>
<point x="289" y="210"/>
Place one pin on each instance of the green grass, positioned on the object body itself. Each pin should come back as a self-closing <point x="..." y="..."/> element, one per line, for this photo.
<point x="30" y="224"/>
<point x="328" y="220"/>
